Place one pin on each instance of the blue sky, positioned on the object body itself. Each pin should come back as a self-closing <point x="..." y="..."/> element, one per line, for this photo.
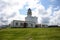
<point x="45" y="3"/>
<point x="47" y="11"/>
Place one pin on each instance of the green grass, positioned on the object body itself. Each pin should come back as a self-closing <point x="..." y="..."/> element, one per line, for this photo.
<point x="30" y="34"/>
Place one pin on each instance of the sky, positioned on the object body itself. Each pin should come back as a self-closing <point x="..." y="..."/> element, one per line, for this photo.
<point x="47" y="11"/>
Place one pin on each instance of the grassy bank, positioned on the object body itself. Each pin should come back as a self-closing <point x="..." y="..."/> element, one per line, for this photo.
<point x="30" y="34"/>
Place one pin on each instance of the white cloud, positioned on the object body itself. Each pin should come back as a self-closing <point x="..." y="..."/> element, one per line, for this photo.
<point x="9" y="10"/>
<point x="32" y="3"/>
<point x="55" y="19"/>
<point x="49" y="11"/>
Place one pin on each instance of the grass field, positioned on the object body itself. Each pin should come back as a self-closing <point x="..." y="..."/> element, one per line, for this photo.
<point x="30" y="34"/>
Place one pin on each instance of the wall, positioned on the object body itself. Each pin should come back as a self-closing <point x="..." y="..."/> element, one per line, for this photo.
<point x="30" y="24"/>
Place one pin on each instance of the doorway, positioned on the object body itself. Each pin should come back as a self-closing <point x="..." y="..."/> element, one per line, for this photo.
<point x="25" y="25"/>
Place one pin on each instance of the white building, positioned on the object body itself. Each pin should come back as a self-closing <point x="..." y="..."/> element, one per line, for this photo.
<point x="30" y="17"/>
<point x="17" y="23"/>
<point x="30" y="21"/>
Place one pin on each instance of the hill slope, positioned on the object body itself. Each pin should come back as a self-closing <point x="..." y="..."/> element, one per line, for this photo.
<point x="30" y="34"/>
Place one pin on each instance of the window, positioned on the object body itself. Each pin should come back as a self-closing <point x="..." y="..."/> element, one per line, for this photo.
<point x="31" y="24"/>
<point x="16" y="23"/>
